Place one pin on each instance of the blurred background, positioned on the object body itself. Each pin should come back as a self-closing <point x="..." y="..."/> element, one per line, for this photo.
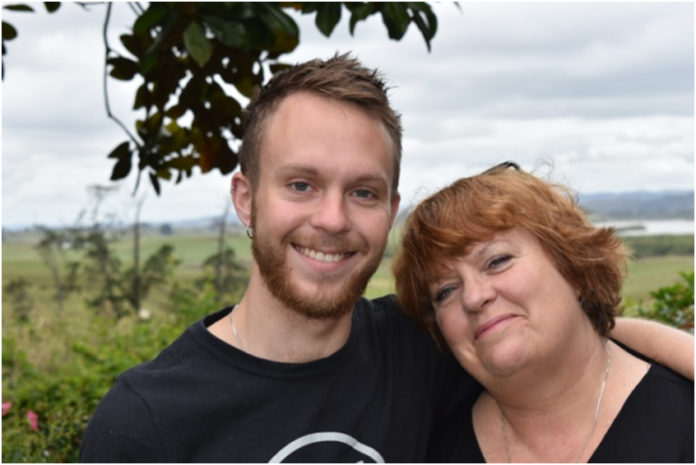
<point x="100" y="274"/>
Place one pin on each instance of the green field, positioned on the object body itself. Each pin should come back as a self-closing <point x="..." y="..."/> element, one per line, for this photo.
<point x="60" y="363"/>
<point x="20" y="259"/>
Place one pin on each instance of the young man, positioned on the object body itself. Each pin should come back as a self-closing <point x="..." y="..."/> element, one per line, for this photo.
<point x="301" y="369"/>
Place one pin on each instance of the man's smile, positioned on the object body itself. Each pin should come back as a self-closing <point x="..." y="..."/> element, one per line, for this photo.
<point x="322" y="256"/>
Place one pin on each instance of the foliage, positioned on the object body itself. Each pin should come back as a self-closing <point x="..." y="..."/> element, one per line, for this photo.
<point x="65" y="395"/>
<point x="673" y="304"/>
<point x="9" y="32"/>
<point x="198" y="60"/>
<point x="104" y="271"/>
<point x="51" y="247"/>
<point x="60" y="367"/>
<point x="660" y="245"/>
<point x="189" y="57"/>
<point x="223" y="272"/>
<point x="17" y="293"/>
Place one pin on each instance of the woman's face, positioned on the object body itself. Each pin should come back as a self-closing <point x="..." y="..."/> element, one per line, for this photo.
<point x="504" y="306"/>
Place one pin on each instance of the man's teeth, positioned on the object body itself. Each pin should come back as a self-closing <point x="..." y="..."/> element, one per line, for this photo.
<point x="321" y="256"/>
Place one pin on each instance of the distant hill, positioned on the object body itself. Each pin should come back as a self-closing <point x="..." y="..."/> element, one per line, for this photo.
<point x="599" y="206"/>
<point x="640" y="205"/>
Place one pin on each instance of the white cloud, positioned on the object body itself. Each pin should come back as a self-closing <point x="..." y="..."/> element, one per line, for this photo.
<point x="604" y="91"/>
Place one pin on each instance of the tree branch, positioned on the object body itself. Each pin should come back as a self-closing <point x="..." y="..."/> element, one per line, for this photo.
<point x="107" y="54"/>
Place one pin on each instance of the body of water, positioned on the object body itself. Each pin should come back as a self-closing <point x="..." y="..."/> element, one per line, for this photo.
<point x="650" y="227"/>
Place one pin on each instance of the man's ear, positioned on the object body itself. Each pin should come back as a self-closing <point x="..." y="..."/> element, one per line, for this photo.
<point x="242" y="197"/>
<point x="396" y="200"/>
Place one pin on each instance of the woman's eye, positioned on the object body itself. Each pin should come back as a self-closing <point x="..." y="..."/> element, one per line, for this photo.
<point x="499" y="261"/>
<point x="442" y="294"/>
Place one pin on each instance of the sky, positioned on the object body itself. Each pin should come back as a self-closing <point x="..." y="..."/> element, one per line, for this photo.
<point x="595" y="95"/>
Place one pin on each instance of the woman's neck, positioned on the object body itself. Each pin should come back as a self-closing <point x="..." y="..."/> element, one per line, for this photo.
<point x="549" y="413"/>
<point x="565" y="416"/>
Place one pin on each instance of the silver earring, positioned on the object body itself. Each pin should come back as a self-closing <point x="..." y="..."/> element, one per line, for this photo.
<point x="250" y="232"/>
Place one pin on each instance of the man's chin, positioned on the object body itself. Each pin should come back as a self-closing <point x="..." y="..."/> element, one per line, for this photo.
<point x="316" y="306"/>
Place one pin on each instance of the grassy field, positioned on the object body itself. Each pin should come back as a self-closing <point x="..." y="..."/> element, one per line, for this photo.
<point x="644" y="275"/>
<point x="58" y="363"/>
<point x="20" y="259"/>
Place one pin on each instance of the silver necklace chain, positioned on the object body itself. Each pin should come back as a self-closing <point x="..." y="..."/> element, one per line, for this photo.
<point x="234" y="330"/>
<point x="594" y="421"/>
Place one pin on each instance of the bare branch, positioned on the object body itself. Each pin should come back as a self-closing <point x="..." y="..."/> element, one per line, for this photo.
<point x="107" y="54"/>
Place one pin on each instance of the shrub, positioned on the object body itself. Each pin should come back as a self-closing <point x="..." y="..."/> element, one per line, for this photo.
<point x="673" y="304"/>
<point x="64" y="397"/>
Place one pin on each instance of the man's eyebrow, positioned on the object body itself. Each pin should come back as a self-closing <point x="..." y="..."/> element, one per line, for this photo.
<point x="370" y="179"/>
<point x="300" y="169"/>
<point x="311" y="171"/>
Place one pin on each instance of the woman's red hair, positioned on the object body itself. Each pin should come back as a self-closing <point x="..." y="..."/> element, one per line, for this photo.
<point x="473" y="209"/>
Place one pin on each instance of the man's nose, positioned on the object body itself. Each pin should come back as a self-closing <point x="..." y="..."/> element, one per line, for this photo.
<point x="332" y="214"/>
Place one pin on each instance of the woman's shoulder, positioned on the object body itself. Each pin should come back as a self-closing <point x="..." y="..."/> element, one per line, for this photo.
<point x="655" y="424"/>
<point x="660" y="375"/>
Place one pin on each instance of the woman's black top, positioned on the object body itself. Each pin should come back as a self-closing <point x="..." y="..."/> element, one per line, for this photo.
<point x="656" y="424"/>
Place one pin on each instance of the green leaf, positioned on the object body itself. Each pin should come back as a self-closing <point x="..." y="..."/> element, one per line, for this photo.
<point x="280" y="21"/>
<point x="18" y="7"/>
<point x="197" y="44"/>
<point x="395" y="17"/>
<point x="164" y="174"/>
<point x="121" y="151"/>
<point x="143" y="98"/>
<point x="245" y="85"/>
<point x="155" y="183"/>
<point x="152" y="16"/>
<point x="276" y="67"/>
<point x="123" y="68"/>
<point x="8" y="31"/>
<point x="229" y="32"/>
<point x="175" y="111"/>
<point x="149" y="61"/>
<point x="309" y="7"/>
<point x="51" y="6"/>
<point x="132" y="44"/>
<point x="425" y="20"/>
<point x="182" y="163"/>
<point x="359" y="13"/>
<point x="121" y="168"/>
<point x="328" y="15"/>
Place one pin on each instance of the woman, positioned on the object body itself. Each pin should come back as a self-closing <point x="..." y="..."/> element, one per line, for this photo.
<point x="506" y="269"/>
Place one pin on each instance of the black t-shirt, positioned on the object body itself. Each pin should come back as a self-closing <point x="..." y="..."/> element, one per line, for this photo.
<point x="386" y="395"/>
<point x="655" y="424"/>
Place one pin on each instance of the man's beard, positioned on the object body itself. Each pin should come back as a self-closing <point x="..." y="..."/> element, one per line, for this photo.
<point x="272" y="262"/>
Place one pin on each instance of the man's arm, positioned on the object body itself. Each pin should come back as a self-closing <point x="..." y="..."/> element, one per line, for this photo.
<point x="121" y="430"/>
<point x="669" y="346"/>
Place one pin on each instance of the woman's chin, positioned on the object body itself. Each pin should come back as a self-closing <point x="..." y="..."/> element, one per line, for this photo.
<point x="504" y="359"/>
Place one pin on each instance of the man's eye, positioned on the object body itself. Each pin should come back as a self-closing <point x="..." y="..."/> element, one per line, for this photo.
<point x="300" y="186"/>
<point x="364" y="194"/>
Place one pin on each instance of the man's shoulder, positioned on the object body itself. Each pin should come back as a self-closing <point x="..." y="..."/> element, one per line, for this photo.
<point x="182" y="358"/>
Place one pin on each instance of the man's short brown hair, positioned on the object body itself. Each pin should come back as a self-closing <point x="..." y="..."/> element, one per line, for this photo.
<point x="342" y="78"/>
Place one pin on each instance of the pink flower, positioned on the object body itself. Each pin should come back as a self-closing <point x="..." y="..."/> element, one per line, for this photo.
<point x="33" y="418"/>
<point x="6" y="406"/>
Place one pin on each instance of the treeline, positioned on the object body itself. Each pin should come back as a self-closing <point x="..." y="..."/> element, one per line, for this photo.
<point x="660" y="245"/>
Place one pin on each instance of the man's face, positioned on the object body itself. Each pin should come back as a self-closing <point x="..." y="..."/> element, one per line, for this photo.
<point x="323" y="205"/>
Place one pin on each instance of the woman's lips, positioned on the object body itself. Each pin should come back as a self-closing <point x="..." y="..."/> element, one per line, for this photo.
<point x="490" y="324"/>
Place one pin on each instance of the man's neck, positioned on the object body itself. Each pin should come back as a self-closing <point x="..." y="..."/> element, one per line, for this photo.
<point x="268" y="329"/>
